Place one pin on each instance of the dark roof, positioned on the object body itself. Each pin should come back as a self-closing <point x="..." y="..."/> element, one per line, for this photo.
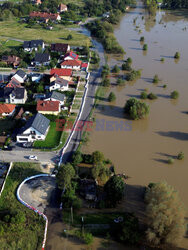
<point x="60" y="81"/>
<point x="59" y="47"/>
<point x="57" y="96"/>
<point x="33" y="43"/>
<point x="17" y="92"/>
<point x="42" y="57"/>
<point x="38" y="122"/>
<point x="21" y="73"/>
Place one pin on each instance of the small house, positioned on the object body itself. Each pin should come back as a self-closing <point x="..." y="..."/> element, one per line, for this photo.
<point x="48" y="107"/>
<point x="29" y="46"/>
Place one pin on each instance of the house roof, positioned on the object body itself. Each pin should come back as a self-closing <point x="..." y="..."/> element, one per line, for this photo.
<point x="62" y="7"/>
<point x="84" y="65"/>
<point x="42" y="57"/>
<point x="6" y="108"/>
<point x="59" y="47"/>
<point x="48" y="105"/>
<point x="60" y="81"/>
<point x="11" y="59"/>
<point x="61" y="72"/>
<point x="33" y="44"/>
<point x="20" y="73"/>
<point x="71" y="63"/>
<point x="13" y="83"/>
<point x="44" y="15"/>
<point x="17" y="92"/>
<point x="57" y="96"/>
<point x="38" y="122"/>
<point x="72" y="54"/>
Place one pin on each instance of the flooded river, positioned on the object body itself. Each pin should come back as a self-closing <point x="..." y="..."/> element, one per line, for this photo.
<point x="142" y="153"/>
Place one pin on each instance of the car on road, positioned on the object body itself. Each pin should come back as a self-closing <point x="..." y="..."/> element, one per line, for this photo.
<point x="32" y="157"/>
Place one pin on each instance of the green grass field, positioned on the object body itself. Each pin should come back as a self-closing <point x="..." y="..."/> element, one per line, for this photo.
<point x="52" y="139"/>
<point x="6" y="44"/>
<point x="13" y="29"/>
<point x="25" y="235"/>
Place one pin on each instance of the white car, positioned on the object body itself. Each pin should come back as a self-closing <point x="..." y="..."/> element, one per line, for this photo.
<point x="32" y="157"/>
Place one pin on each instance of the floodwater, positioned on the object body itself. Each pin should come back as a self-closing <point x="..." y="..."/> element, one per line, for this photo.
<point x="142" y="153"/>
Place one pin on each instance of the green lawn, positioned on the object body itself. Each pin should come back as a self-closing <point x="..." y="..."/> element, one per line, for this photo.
<point x="24" y="235"/>
<point x="6" y="44"/>
<point x="12" y="28"/>
<point x="52" y="139"/>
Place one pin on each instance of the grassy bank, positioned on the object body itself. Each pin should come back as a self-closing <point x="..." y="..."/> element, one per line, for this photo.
<point x="12" y="28"/>
<point x="22" y="234"/>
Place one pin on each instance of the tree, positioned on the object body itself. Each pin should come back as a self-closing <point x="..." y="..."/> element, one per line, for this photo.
<point x="152" y="96"/>
<point x="111" y="97"/>
<point x="69" y="37"/>
<point x="126" y="66"/>
<point x="97" y="157"/>
<point x="114" y="189"/>
<point x="64" y="176"/>
<point x="106" y="82"/>
<point x="142" y="39"/>
<point x="155" y="79"/>
<point x="165" y="214"/>
<point x="145" y="47"/>
<point x="143" y="95"/>
<point x="40" y="88"/>
<point x="174" y="94"/>
<point x="116" y="69"/>
<point x="77" y="158"/>
<point x="133" y="75"/>
<point x="136" y="109"/>
<point x="180" y="156"/>
<point x="177" y="55"/>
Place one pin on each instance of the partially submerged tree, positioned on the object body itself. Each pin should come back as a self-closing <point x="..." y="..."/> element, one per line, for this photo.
<point x="111" y="97"/>
<point x="64" y="176"/>
<point x="136" y="109"/>
<point x="165" y="214"/>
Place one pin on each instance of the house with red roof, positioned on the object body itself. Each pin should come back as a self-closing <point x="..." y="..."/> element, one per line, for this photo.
<point x="71" y="64"/>
<point x="70" y="56"/>
<point x="44" y="16"/>
<point x="48" y="107"/>
<point x="7" y="109"/>
<point x="62" y="73"/>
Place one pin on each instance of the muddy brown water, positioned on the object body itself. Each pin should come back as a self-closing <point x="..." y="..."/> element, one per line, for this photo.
<point x="142" y="153"/>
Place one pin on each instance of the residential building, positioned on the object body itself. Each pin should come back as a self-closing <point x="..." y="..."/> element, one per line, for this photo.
<point x="7" y="109"/>
<point x="62" y="8"/>
<point x="41" y="59"/>
<point x="56" y="96"/>
<point x="62" y="73"/>
<point x="15" y="95"/>
<point x="44" y="16"/>
<point x="59" y="83"/>
<point x="36" y="128"/>
<point x="37" y="2"/>
<point x="70" y="56"/>
<point x="48" y="107"/>
<point x="20" y="76"/>
<point x="71" y="64"/>
<point x="60" y="48"/>
<point x="11" y="60"/>
<point x="29" y="46"/>
<point x="36" y="77"/>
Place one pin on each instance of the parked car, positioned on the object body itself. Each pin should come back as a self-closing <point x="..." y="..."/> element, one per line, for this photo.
<point x="27" y="144"/>
<point x="33" y="157"/>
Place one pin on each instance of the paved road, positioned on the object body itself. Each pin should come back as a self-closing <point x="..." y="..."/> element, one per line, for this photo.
<point x="93" y="83"/>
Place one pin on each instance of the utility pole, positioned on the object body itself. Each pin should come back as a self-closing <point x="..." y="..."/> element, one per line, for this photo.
<point x="72" y="215"/>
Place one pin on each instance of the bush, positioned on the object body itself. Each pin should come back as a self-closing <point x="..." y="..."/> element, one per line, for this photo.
<point x="142" y="39"/>
<point x="136" y="109"/>
<point x="88" y="238"/>
<point x="145" y="47"/>
<point x="106" y="82"/>
<point x="180" y="156"/>
<point x="116" y="69"/>
<point x="69" y="37"/>
<point x="133" y="75"/>
<point x="126" y="66"/>
<point x="152" y="96"/>
<point x="162" y="59"/>
<point x="143" y="95"/>
<point x="170" y="160"/>
<point x="174" y="94"/>
<point x="177" y="55"/>
<point x="111" y="97"/>
<point x="120" y="82"/>
<point x="129" y="60"/>
<point x="164" y="86"/>
<point x="155" y="79"/>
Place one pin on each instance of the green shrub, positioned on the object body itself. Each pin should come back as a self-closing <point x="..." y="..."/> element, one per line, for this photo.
<point x="145" y="47"/>
<point x="120" y="82"/>
<point x="152" y="96"/>
<point x="142" y="39"/>
<point x="143" y="95"/>
<point x="170" y="160"/>
<point x="129" y="60"/>
<point x="164" y="86"/>
<point x="174" y="94"/>
<point x="155" y="79"/>
<point x="180" y="156"/>
<point x="177" y="55"/>
<point x="111" y="97"/>
<point x="126" y="66"/>
<point x="88" y="238"/>
<point x="106" y="82"/>
<point x="133" y="75"/>
<point x="116" y="69"/>
<point x="162" y="59"/>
